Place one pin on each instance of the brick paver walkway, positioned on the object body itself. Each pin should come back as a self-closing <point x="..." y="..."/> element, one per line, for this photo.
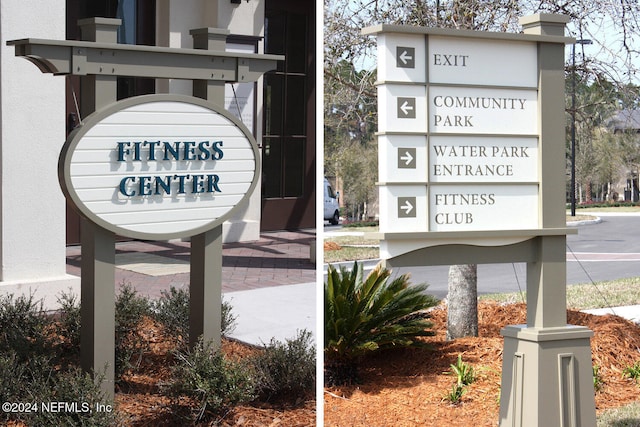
<point x="278" y="258"/>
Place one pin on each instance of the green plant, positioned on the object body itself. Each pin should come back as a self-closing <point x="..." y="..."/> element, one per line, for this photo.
<point x="73" y="398"/>
<point x="463" y="371"/>
<point x="598" y="383"/>
<point x="454" y="396"/>
<point x="172" y="311"/>
<point x="210" y="380"/>
<point x="632" y="372"/>
<point x="287" y="368"/>
<point x="22" y="326"/>
<point x="51" y="396"/>
<point x="69" y="322"/>
<point x="130" y="309"/>
<point x="367" y="314"/>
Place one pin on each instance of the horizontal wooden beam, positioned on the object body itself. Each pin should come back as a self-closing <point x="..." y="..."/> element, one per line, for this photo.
<point x="63" y="57"/>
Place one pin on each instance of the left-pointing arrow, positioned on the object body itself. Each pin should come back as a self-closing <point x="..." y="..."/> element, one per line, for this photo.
<point x="406" y="108"/>
<point x="405" y="57"/>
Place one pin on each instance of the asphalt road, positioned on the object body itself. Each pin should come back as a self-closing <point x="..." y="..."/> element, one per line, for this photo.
<point x="603" y="251"/>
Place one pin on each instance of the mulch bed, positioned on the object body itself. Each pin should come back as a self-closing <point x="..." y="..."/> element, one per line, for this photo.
<point x="407" y="387"/>
<point x="141" y="401"/>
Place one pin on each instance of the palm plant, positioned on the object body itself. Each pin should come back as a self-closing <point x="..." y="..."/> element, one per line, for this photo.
<point x="367" y="314"/>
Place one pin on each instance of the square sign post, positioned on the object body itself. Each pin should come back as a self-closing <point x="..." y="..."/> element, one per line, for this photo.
<point x="471" y="169"/>
<point x="152" y="167"/>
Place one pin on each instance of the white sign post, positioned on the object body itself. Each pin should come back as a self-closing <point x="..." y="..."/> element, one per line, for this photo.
<point x="471" y="169"/>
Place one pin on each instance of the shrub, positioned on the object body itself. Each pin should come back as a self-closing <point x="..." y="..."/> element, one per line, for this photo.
<point x="130" y="309"/>
<point x="172" y="311"/>
<point x="12" y="379"/>
<point x="211" y="380"/>
<point x="69" y="323"/>
<point x="287" y="369"/>
<point x="22" y="326"/>
<point x="35" y="382"/>
<point x="363" y="315"/>
<point x="356" y="224"/>
<point x="78" y="389"/>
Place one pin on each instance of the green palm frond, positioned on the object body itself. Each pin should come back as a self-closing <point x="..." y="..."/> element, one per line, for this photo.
<point x="364" y="314"/>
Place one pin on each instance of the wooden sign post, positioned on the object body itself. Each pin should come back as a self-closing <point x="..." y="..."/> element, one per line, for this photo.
<point x="154" y="167"/>
<point x="471" y="168"/>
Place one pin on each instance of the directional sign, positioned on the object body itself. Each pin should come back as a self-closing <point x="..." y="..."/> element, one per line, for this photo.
<point x="406" y="108"/>
<point x="406" y="158"/>
<point x="406" y="207"/>
<point x="405" y="57"/>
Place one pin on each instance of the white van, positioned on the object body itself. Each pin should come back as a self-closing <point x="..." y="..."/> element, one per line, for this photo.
<point x="331" y="206"/>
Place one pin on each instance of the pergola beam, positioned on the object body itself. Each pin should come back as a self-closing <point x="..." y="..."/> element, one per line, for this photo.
<point x="64" y="57"/>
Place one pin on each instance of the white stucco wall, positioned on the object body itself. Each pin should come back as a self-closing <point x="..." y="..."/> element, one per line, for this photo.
<point x="172" y="29"/>
<point x="32" y="131"/>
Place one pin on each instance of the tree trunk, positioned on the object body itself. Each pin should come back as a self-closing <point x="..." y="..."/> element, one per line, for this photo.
<point x="462" y="302"/>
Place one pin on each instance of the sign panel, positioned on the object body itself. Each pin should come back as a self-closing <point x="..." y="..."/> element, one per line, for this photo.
<point x="402" y="108"/>
<point x="401" y="58"/>
<point x="405" y="57"/>
<point x="483" y="207"/>
<point x="403" y="208"/>
<point x="159" y="166"/>
<point x="472" y="110"/>
<point x="406" y="158"/>
<point x="458" y="135"/>
<point x="410" y="154"/>
<point x="469" y="61"/>
<point x="483" y="159"/>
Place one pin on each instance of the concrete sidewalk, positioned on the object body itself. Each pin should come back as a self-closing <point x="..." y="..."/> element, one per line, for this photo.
<point x="270" y="283"/>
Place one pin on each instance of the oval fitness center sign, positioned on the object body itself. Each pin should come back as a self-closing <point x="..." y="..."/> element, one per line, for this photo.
<point x="159" y="166"/>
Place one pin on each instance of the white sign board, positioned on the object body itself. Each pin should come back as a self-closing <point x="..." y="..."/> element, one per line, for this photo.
<point x="469" y="61"/>
<point x="404" y="58"/>
<point x="483" y="207"/>
<point x="159" y="166"/>
<point x="458" y="133"/>
<point x="483" y="159"/>
<point x="406" y="158"/>
<point x="404" y="208"/>
<point x="402" y="108"/>
<point x="483" y="110"/>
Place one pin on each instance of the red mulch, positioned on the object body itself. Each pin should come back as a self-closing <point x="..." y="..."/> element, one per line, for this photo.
<point x="141" y="401"/>
<point x="331" y="246"/>
<point x="407" y="387"/>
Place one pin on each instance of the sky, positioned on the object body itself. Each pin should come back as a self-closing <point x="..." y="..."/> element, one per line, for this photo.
<point x="606" y="52"/>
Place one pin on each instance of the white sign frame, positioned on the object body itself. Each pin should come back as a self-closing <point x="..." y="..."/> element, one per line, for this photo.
<point x="116" y="184"/>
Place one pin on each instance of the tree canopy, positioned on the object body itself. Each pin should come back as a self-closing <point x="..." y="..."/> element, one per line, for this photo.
<point x="606" y="70"/>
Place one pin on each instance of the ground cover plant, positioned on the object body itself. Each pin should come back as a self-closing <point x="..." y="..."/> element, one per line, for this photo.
<point x="365" y="314"/>
<point x="407" y="387"/>
<point x="159" y="382"/>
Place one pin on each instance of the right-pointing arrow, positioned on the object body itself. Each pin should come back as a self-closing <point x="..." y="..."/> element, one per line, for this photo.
<point x="407" y="207"/>
<point x="408" y="158"/>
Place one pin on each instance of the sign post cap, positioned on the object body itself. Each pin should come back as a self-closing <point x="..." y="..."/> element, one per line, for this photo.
<point x="544" y="24"/>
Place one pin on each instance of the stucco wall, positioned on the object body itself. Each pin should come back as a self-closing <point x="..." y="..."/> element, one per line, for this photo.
<point x="32" y="131"/>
